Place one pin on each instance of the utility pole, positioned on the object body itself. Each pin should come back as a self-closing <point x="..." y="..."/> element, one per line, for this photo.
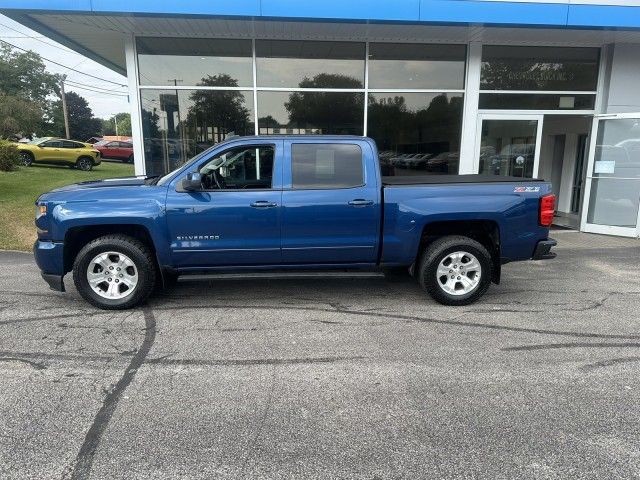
<point x="115" y="120"/>
<point x="64" y="106"/>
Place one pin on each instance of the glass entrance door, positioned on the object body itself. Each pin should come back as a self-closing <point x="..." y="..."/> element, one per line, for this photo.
<point x="508" y="145"/>
<point x="613" y="181"/>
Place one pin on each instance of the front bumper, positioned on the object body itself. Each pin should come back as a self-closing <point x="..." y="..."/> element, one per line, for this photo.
<point x="50" y="259"/>
<point x="543" y="249"/>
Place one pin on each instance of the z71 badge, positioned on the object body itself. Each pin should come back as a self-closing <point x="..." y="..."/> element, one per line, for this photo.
<point x="526" y="189"/>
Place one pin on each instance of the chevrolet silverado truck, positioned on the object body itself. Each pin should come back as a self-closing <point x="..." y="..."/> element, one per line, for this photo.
<point x="286" y="203"/>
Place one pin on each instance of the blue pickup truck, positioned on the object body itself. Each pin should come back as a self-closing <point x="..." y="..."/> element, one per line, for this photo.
<point x="289" y="202"/>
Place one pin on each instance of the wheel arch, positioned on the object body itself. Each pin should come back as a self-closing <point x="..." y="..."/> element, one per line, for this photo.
<point x="485" y="232"/>
<point x="77" y="237"/>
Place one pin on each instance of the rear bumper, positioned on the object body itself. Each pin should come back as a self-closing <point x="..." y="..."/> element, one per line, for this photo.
<point x="50" y="259"/>
<point x="543" y="249"/>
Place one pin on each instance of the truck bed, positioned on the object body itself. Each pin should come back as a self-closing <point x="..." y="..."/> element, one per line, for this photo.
<point x="444" y="179"/>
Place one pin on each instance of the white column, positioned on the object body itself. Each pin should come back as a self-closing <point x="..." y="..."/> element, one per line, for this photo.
<point x="470" y="112"/>
<point x="134" y="105"/>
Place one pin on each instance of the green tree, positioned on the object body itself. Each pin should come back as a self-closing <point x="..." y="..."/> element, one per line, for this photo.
<point x="26" y="89"/>
<point x="82" y="123"/>
<point x="124" y="124"/>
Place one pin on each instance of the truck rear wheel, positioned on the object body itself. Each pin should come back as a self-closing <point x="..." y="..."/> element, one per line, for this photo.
<point x="114" y="272"/>
<point x="455" y="270"/>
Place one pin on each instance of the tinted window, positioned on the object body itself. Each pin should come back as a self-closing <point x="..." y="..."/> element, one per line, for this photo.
<point x="239" y="168"/>
<point x="68" y="144"/>
<point x="52" y="144"/>
<point x="125" y="145"/>
<point x="195" y="61"/>
<point x="414" y="65"/>
<point x="289" y="113"/>
<point x="176" y="125"/>
<point x="536" y="101"/>
<point x="539" y="68"/>
<point x="326" y="166"/>
<point x="416" y="133"/>
<point x="284" y="63"/>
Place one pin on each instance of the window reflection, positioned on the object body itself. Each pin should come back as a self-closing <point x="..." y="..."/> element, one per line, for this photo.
<point x="177" y="125"/>
<point x="310" y="113"/>
<point x="186" y="61"/>
<point x="406" y="65"/>
<point x="416" y="133"/>
<point x="286" y="63"/>
<point x="536" y="101"/>
<point x="539" y="68"/>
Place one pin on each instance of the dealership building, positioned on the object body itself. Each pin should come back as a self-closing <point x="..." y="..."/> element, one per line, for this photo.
<point x="528" y="88"/>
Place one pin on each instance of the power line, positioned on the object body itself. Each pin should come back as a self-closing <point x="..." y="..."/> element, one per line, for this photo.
<point x="64" y="66"/>
<point x="98" y="91"/>
<point x="74" y="82"/>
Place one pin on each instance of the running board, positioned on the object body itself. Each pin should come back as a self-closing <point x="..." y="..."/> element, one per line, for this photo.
<point x="276" y="275"/>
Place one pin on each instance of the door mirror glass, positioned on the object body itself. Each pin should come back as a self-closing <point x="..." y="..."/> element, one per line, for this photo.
<point x="192" y="182"/>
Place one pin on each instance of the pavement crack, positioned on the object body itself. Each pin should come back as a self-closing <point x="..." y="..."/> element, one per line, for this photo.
<point x="35" y="365"/>
<point x="609" y="363"/>
<point x="552" y="346"/>
<point x="81" y="467"/>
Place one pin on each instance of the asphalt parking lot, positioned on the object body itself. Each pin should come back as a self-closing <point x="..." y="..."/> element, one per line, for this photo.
<point x="362" y="378"/>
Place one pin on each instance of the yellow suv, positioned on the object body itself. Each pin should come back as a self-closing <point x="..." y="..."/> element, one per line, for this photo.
<point x="58" y="151"/>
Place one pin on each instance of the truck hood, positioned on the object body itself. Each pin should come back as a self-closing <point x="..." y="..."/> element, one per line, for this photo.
<point x="106" y="183"/>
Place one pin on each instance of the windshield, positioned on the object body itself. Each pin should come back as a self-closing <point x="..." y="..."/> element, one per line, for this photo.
<point x="164" y="179"/>
<point x="36" y="141"/>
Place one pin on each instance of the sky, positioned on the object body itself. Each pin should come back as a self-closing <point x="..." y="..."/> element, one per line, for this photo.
<point x="104" y="104"/>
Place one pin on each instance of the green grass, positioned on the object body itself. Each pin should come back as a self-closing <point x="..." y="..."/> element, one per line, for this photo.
<point x="19" y="190"/>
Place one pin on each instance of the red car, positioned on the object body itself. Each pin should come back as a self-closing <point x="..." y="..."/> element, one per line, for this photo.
<point x="115" y="149"/>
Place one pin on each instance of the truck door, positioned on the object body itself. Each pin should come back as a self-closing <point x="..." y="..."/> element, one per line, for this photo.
<point x="331" y="203"/>
<point x="236" y="218"/>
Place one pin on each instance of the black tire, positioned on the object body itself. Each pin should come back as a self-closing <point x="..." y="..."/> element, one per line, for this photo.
<point x="85" y="164"/>
<point x="26" y="158"/>
<point x="138" y="252"/>
<point x="129" y="160"/>
<point x="436" y="252"/>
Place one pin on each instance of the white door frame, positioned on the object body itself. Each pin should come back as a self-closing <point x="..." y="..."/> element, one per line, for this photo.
<point x="508" y="116"/>
<point x="592" y="227"/>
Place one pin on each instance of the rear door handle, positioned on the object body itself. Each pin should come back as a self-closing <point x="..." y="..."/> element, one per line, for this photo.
<point x="263" y="204"/>
<point x="360" y="202"/>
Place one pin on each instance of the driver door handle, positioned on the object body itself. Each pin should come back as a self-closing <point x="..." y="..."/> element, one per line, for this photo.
<point x="360" y="202"/>
<point x="263" y="204"/>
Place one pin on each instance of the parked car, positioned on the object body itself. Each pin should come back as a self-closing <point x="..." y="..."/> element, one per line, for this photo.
<point x="58" y="151"/>
<point x="115" y="149"/>
<point x="289" y="202"/>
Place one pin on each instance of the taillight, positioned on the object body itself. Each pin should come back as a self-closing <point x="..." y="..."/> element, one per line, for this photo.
<point x="547" y="209"/>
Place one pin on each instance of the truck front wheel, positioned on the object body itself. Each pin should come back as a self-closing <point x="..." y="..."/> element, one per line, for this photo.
<point x="114" y="272"/>
<point x="455" y="270"/>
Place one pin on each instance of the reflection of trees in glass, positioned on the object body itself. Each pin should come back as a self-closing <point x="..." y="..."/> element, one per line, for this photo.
<point x="396" y="127"/>
<point x="215" y="113"/>
<point x="529" y="74"/>
<point x="332" y="112"/>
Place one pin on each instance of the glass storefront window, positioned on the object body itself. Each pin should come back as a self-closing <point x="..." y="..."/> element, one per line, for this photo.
<point x="615" y="187"/>
<point x="537" y="101"/>
<point x="309" y="64"/>
<point x="414" y="65"/>
<point x="416" y="133"/>
<point x="195" y="61"/>
<point x="178" y="124"/>
<point x="339" y="113"/>
<point x="539" y="68"/>
<point x="508" y="147"/>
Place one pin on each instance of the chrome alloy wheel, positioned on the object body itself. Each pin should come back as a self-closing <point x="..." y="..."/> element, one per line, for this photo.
<point x="112" y="275"/>
<point x="459" y="273"/>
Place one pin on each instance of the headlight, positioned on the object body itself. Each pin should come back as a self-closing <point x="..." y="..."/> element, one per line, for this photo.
<point x="41" y="210"/>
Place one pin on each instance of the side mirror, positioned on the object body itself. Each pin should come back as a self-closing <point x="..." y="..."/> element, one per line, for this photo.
<point x="192" y="182"/>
